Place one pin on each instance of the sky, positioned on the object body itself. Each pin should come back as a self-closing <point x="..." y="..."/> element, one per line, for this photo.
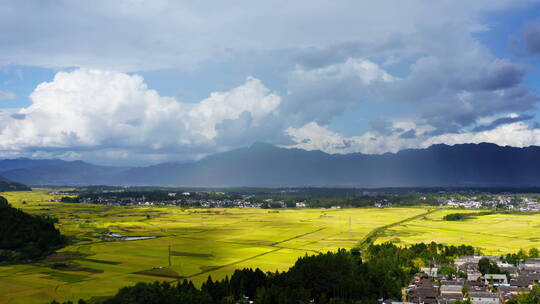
<point x="138" y="82"/>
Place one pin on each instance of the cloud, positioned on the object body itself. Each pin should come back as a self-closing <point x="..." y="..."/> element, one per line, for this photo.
<point x="322" y="94"/>
<point x="90" y="110"/>
<point x="450" y="79"/>
<point x="331" y="58"/>
<point x="124" y="35"/>
<point x="313" y="136"/>
<point x="452" y="91"/>
<point x="316" y="137"/>
<point x="502" y="121"/>
<point x="517" y="134"/>
<point x="381" y="126"/>
<point x="18" y="116"/>
<point x="5" y="95"/>
<point x="449" y="91"/>
<point x="408" y="134"/>
<point x="113" y="117"/>
<point x="531" y="37"/>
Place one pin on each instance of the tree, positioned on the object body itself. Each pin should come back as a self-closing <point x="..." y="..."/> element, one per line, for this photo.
<point x="534" y="253"/>
<point x="465" y="290"/>
<point x="532" y="297"/>
<point x="448" y="271"/>
<point x="486" y="266"/>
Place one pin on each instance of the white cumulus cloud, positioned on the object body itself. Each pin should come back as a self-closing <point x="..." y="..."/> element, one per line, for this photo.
<point x="93" y="109"/>
<point x="313" y="136"/>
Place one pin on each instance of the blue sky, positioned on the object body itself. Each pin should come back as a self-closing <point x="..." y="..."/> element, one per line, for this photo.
<point x="138" y="82"/>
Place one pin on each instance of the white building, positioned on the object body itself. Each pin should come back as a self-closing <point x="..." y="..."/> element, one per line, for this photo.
<point x="484" y="297"/>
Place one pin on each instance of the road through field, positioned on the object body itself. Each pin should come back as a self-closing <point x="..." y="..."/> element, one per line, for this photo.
<point x="255" y="256"/>
<point x="375" y="233"/>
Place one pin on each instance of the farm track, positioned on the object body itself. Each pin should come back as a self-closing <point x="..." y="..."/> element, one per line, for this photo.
<point x="231" y="264"/>
<point x="298" y="236"/>
<point x="375" y="233"/>
<point x="251" y="244"/>
<point x="252" y="257"/>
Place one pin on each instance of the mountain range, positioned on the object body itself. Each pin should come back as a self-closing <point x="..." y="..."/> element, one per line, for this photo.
<point x="265" y="165"/>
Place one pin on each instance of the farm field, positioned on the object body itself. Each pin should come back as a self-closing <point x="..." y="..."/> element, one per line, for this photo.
<point x="215" y="242"/>
<point x="202" y="242"/>
<point x="494" y="234"/>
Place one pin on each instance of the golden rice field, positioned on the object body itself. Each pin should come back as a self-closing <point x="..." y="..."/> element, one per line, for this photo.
<point x="216" y="241"/>
<point x="203" y="242"/>
<point x="495" y="234"/>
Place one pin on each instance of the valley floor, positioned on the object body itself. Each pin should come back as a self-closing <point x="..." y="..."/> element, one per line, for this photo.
<point x="196" y="243"/>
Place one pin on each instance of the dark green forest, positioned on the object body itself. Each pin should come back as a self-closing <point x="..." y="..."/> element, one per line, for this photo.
<point x="24" y="236"/>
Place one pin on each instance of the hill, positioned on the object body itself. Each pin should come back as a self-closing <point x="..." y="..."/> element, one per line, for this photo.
<point x="263" y="165"/>
<point x="7" y="185"/>
<point x="24" y="236"/>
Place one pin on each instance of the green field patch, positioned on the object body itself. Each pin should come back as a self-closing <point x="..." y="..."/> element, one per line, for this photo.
<point x="64" y="277"/>
<point x="87" y="269"/>
<point x="191" y="254"/>
<point x="100" y="261"/>
<point x="76" y="267"/>
<point x="161" y="272"/>
<point x="209" y="268"/>
<point x="71" y="266"/>
<point x="62" y="256"/>
<point x="396" y="233"/>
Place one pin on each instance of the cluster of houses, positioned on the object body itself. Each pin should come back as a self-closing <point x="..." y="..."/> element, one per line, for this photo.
<point x="430" y="286"/>
<point x="204" y="203"/>
<point x="184" y="199"/>
<point x="509" y="202"/>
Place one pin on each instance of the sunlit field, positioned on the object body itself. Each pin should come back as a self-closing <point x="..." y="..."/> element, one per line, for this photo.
<point x="202" y="242"/>
<point x="494" y="234"/>
<point x="215" y="242"/>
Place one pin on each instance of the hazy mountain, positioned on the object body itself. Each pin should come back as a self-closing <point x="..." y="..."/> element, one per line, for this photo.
<point x="57" y="172"/>
<point x="267" y="165"/>
<point x="7" y="185"/>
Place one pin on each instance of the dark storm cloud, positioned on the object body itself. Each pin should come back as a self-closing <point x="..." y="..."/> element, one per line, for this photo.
<point x="453" y="92"/>
<point x="531" y="37"/>
<point x="315" y="57"/>
<point x="499" y="74"/>
<point x="451" y="113"/>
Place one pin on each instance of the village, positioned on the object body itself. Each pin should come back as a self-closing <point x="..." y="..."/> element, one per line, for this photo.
<point x="507" y="202"/>
<point x="469" y="280"/>
<point x="186" y="199"/>
<point x="510" y="202"/>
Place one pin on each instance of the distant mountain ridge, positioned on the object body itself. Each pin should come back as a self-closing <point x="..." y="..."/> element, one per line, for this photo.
<point x="56" y="172"/>
<point x="264" y="165"/>
<point x="7" y="185"/>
